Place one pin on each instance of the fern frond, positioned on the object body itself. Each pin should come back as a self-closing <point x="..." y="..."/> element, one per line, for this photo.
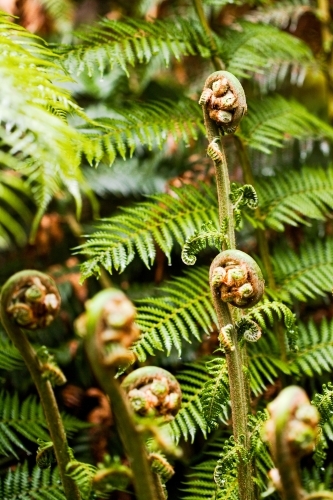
<point x="215" y="394"/>
<point x="183" y="310"/>
<point x="315" y="355"/>
<point x="272" y="121"/>
<point x="164" y="219"/>
<point x="39" y="485"/>
<point x="199" y="240"/>
<point x="147" y="123"/>
<point x="324" y="403"/>
<point x="15" y="214"/>
<point x="307" y="274"/>
<point x="10" y="358"/>
<point x="265" y="313"/>
<point x="190" y="416"/>
<point x="127" y="43"/>
<point x="83" y="475"/>
<point x="290" y="198"/>
<point x="260" y="48"/>
<point x="26" y="420"/>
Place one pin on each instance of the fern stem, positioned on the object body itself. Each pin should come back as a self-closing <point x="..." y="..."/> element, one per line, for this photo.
<point x="217" y="62"/>
<point x="238" y="384"/>
<point x="129" y="432"/>
<point x="319" y="495"/>
<point x="44" y="388"/>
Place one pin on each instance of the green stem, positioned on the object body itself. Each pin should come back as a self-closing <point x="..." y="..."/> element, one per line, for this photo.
<point x="45" y="391"/>
<point x="318" y="495"/>
<point x="217" y="63"/>
<point x="129" y="433"/>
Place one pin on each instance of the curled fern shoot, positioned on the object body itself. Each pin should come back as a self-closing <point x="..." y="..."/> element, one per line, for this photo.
<point x="241" y="197"/>
<point x="206" y="236"/>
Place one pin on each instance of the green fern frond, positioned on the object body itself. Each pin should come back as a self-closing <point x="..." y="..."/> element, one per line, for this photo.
<point x="199" y="240"/>
<point x="260" y="48"/>
<point x="41" y="484"/>
<point x="290" y="198"/>
<point x="61" y="12"/>
<point x="215" y="394"/>
<point x="190" y="417"/>
<point x="315" y="355"/>
<point x="163" y="219"/>
<point x="183" y="310"/>
<point x="265" y="363"/>
<point x="83" y="475"/>
<point x="324" y="403"/>
<point x="265" y="314"/>
<point x="10" y="358"/>
<point x="147" y="123"/>
<point x="15" y="215"/>
<point x="272" y="121"/>
<point x="127" y="43"/>
<point x="26" y="420"/>
<point x="307" y="274"/>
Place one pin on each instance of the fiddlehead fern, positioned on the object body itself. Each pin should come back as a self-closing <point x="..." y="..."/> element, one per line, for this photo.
<point x="237" y="279"/>
<point x="31" y="300"/>
<point x="291" y="433"/>
<point x="153" y="391"/>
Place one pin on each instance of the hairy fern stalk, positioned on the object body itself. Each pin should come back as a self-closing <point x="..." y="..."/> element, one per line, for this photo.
<point x="105" y="182"/>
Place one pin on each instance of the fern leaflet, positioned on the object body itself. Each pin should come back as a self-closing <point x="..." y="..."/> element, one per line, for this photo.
<point x="215" y="394"/>
<point x="199" y="240"/>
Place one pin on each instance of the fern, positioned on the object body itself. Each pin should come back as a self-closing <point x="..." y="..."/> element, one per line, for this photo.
<point x="83" y="475"/>
<point x="324" y="403"/>
<point x="315" y="354"/>
<point x="272" y="121"/>
<point x="215" y="394"/>
<point x="137" y="123"/>
<point x="10" y="358"/>
<point x="290" y="198"/>
<point x="199" y="240"/>
<point x="260" y="48"/>
<point x="41" y="485"/>
<point x="163" y="219"/>
<point x="26" y="420"/>
<point x="184" y="309"/>
<point x="131" y="42"/>
<point x="190" y="416"/>
<point x="264" y="314"/>
<point x="305" y="275"/>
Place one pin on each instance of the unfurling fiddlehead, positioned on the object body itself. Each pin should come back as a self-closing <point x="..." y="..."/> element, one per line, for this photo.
<point x="207" y="235"/>
<point x="31" y="300"/>
<point x="224" y="98"/>
<point x="108" y="330"/>
<point x="153" y="391"/>
<point x="291" y="433"/>
<point x="237" y="278"/>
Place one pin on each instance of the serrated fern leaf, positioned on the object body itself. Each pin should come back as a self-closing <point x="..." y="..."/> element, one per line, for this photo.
<point x="39" y="485"/>
<point x="307" y="274"/>
<point x="272" y="121"/>
<point x="199" y="240"/>
<point x="183" y="310"/>
<point x="324" y="403"/>
<point x="290" y="198"/>
<point x="264" y="49"/>
<point x="266" y="313"/>
<point x="131" y="42"/>
<point x="315" y="355"/>
<point x="10" y="358"/>
<point x="83" y="475"/>
<point x="163" y="219"/>
<point x="215" y="394"/>
<point x="190" y="417"/>
<point x="147" y="123"/>
<point x="26" y="420"/>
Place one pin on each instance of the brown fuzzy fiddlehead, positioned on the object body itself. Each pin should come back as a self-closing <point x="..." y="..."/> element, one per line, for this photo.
<point x="224" y="100"/>
<point x="237" y="279"/>
<point x="291" y="433"/>
<point x="33" y="300"/>
<point x="154" y="392"/>
<point x="30" y="300"/>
